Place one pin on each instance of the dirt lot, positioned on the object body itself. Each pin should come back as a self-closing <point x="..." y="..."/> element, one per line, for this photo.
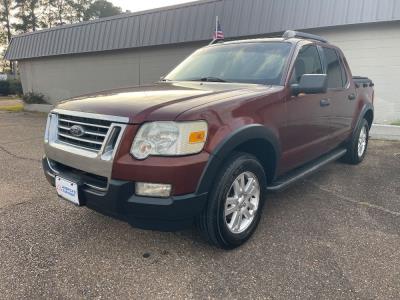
<point x="333" y="235"/>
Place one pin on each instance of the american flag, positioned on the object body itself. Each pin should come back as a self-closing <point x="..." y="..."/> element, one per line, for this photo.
<point x="218" y="34"/>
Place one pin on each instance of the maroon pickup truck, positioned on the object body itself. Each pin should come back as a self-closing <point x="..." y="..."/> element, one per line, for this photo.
<point x="205" y="145"/>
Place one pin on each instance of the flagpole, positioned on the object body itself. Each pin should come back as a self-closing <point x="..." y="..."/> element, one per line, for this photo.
<point x="216" y="24"/>
<point x="216" y="30"/>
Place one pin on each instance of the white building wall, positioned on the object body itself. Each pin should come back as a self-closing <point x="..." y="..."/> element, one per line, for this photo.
<point x="63" y="77"/>
<point x="373" y="50"/>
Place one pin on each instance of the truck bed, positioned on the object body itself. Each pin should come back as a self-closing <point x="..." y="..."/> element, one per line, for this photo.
<point x="361" y="81"/>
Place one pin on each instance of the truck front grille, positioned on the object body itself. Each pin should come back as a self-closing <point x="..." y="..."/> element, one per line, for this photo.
<point x="81" y="132"/>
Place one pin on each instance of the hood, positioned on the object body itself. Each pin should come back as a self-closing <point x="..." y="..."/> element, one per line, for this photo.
<point x="139" y="103"/>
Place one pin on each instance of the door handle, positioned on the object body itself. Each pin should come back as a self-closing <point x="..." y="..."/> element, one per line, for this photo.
<point x="325" y="102"/>
<point x="352" y="96"/>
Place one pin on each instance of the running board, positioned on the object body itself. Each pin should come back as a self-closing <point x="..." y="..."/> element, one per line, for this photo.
<point x="309" y="168"/>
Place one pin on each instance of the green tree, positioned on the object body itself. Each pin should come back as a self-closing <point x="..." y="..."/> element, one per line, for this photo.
<point x="4" y="65"/>
<point x="5" y="32"/>
<point x="3" y="37"/>
<point x="5" y="17"/>
<point x="48" y="14"/>
<point x="60" y="9"/>
<point x="55" y="12"/>
<point x="101" y="9"/>
<point x="27" y="15"/>
<point x="78" y="9"/>
<point x="64" y="11"/>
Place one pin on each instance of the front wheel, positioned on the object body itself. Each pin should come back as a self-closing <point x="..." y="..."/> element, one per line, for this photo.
<point x="235" y="202"/>
<point x="357" y="147"/>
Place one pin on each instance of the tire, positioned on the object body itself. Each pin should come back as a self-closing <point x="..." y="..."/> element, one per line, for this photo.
<point x="231" y="216"/>
<point x="357" y="146"/>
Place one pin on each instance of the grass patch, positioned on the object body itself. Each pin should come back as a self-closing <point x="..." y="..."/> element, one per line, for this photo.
<point x="396" y="123"/>
<point x="12" y="108"/>
<point x="8" y="98"/>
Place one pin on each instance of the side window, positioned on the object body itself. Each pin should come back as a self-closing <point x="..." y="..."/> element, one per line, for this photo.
<point x="334" y="69"/>
<point x="343" y="71"/>
<point x="307" y="62"/>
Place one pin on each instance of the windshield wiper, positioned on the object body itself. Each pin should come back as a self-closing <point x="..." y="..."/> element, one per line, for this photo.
<point x="208" y="79"/>
<point x="212" y="79"/>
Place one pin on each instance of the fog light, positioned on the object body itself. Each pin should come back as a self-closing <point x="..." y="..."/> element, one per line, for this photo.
<point x="152" y="189"/>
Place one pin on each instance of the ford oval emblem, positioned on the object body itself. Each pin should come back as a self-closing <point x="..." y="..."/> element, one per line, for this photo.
<point x="77" y="131"/>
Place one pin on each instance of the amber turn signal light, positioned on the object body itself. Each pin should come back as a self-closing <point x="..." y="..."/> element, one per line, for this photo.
<point x="197" y="137"/>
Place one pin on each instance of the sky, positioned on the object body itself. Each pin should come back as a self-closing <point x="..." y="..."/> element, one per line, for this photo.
<point x="138" y="5"/>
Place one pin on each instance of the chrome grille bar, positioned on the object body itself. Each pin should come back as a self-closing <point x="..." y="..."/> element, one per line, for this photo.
<point x="87" y="131"/>
<point x="93" y="132"/>
<point x="82" y="123"/>
<point x="76" y="146"/>
<point x="79" y="139"/>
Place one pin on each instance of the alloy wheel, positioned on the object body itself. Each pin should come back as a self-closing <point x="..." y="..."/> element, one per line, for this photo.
<point x="362" y="141"/>
<point x="242" y="202"/>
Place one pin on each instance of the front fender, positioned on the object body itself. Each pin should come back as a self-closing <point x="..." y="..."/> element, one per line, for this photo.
<point x="229" y="144"/>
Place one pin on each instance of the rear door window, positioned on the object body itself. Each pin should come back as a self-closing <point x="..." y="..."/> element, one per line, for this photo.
<point x="343" y="71"/>
<point x="334" y="69"/>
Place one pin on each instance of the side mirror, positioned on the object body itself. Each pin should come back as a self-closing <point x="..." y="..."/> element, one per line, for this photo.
<point x="311" y="84"/>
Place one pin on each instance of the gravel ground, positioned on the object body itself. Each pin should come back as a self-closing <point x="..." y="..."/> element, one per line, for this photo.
<point x="334" y="235"/>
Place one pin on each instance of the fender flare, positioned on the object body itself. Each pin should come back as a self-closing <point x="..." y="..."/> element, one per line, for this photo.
<point x="367" y="107"/>
<point x="236" y="138"/>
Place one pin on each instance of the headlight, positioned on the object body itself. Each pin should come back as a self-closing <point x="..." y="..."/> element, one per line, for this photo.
<point x="166" y="138"/>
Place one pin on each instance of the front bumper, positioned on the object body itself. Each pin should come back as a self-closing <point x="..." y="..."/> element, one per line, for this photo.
<point x="120" y="201"/>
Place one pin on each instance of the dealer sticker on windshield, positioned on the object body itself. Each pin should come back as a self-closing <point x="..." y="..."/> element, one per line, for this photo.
<point x="67" y="190"/>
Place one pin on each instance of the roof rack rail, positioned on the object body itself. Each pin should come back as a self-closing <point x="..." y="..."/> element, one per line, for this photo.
<point x="297" y="34"/>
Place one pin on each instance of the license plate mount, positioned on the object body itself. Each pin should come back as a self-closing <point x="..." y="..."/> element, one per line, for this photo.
<point x="68" y="190"/>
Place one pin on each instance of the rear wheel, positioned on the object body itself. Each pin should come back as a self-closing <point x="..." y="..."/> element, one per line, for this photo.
<point x="235" y="202"/>
<point x="357" y="147"/>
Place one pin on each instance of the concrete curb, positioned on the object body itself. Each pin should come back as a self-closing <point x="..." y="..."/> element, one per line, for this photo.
<point x="385" y="132"/>
<point x="44" y="108"/>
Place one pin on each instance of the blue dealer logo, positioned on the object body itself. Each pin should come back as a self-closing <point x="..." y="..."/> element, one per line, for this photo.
<point x="68" y="191"/>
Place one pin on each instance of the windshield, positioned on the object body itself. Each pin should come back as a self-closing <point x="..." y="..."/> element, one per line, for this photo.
<point x="260" y="63"/>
